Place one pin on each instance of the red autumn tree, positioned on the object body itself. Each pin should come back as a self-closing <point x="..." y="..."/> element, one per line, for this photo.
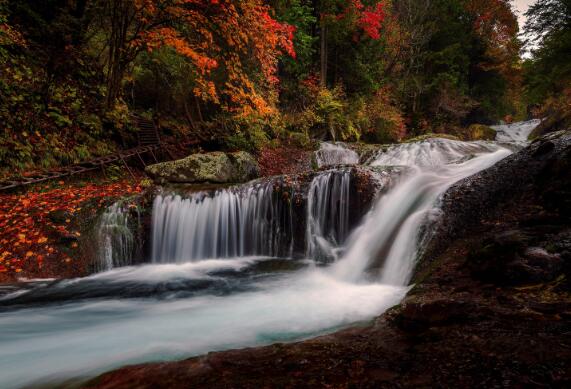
<point x="234" y="46"/>
<point x="496" y="24"/>
<point x="355" y="17"/>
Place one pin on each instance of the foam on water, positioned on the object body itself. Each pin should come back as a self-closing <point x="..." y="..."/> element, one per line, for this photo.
<point x="88" y="337"/>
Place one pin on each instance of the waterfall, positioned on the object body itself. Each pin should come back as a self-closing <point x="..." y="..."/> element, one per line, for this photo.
<point x="327" y="213"/>
<point x="431" y="153"/>
<point x="244" y="221"/>
<point x="82" y="327"/>
<point x="386" y="244"/>
<point x="330" y="154"/>
<point x="115" y="238"/>
<point x="515" y="132"/>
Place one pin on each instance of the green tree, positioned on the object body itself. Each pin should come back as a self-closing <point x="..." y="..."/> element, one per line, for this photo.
<point x="548" y="30"/>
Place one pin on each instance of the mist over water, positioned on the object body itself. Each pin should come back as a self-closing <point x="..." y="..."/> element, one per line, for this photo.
<point x="210" y="287"/>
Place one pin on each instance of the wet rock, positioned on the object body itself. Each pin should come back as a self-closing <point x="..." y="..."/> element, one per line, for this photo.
<point x="215" y="167"/>
<point x="543" y="149"/>
<point x="59" y="216"/>
<point x="420" y="315"/>
<point x="506" y="259"/>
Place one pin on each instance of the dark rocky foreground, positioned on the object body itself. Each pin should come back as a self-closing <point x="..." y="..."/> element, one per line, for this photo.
<point x="491" y="308"/>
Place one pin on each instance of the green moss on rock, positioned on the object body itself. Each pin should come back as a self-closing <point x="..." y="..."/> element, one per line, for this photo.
<point x="215" y="167"/>
<point x="431" y="136"/>
<point x="481" y="132"/>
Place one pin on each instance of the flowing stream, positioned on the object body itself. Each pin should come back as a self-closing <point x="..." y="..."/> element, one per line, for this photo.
<point x="330" y="154"/>
<point x="223" y="275"/>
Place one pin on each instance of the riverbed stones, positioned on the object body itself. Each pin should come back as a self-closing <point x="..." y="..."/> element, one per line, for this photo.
<point x="215" y="167"/>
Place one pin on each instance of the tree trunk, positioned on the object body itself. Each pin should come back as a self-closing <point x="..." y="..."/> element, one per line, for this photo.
<point x="118" y="56"/>
<point x="188" y="115"/>
<point x="198" y="110"/>
<point x="323" y="51"/>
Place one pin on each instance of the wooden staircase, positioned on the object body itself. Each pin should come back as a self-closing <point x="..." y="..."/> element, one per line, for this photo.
<point x="148" y="133"/>
<point x="149" y="142"/>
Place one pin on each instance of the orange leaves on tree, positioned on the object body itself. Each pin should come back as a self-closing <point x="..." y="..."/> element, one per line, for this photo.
<point x="222" y="39"/>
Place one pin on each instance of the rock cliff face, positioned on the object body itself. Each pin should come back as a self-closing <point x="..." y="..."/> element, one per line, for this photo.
<point x="491" y="305"/>
<point x="216" y="167"/>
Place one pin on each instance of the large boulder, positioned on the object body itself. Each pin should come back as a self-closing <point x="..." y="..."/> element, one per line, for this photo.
<point x="216" y="167"/>
<point x="480" y="132"/>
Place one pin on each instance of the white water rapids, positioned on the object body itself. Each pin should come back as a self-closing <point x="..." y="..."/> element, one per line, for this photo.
<point x="81" y="327"/>
<point x="515" y="132"/>
<point x="330" y="154"/>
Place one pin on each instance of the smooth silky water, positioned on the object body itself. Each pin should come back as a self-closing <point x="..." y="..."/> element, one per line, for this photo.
<point x="222" y="274"/>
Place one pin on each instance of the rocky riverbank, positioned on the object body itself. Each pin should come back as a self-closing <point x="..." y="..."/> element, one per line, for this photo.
<point x="491" y="307"/>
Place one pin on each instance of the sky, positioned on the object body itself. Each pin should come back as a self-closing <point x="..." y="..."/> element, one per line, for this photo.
<point x="522" y="6"/>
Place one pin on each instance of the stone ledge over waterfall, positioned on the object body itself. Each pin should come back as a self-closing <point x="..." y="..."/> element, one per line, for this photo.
<point x="215" y="167"/>
<point x="285" y="216"/>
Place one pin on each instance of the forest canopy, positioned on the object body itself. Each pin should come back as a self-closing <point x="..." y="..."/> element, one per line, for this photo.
<point x="247" y="74"/>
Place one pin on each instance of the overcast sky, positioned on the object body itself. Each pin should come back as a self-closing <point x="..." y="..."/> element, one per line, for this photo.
<point x="522" y="6"/>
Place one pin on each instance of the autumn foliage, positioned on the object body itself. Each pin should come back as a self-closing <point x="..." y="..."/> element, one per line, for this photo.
<point x="34" y="224"/>
<point x="223" y="39"/>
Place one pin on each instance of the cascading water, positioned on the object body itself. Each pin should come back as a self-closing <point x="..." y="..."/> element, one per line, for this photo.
<point x="171" y="310"/>
<point x="327" y="213"/>
<point x="515" y="132"/>
<point x="431" y="153"/>
<point x="330" y="154"/>
<point x="387" y="240"/>
<point x="116" y="240"/>
<point x="237" y="222"/>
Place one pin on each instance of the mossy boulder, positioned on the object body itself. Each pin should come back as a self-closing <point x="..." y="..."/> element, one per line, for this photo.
<point x="557" y="120"/>
<point x="431" y="135"/>
<point x="481" y="132"/>
<point x="216" y="167"/>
